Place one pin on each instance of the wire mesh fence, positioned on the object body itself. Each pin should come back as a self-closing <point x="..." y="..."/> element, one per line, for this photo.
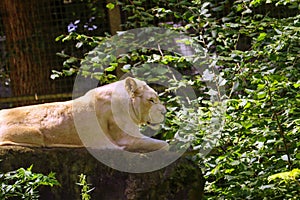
<point x="28" y="48"/>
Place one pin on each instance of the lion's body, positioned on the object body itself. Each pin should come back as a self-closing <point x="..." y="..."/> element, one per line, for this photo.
<point x="100" y="114"/>
<point x="38" y="125"/>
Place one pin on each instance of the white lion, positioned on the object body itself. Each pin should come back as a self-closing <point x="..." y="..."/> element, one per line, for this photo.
<point x="105" y="117"/>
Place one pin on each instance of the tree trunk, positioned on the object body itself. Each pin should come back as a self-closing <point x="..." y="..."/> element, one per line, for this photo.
<point x="24" y="23"/>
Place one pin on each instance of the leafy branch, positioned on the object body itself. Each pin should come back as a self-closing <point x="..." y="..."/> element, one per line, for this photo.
<point x="85" y="187"/>
<point x="279" y="125"/>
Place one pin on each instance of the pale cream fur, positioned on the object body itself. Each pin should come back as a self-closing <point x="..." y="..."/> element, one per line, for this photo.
<point x="105" y="117"/>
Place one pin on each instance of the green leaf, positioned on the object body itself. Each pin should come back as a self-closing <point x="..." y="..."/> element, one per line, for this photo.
<point x="255" y="3"/>
<point x="235" y="162"/>
<point x="208" y="75"/>
<point x="79" y="44"/>
<point x="69" y="72"/>
<point x="54" y="76"/>
<point x="63" y="55"/>
<point x="127" y="66"/>
<point x="110" y="69"/>
<point x="228" y="171"/>
<point x="296" y="85"/>
<point x="261" y="95"/>
<point x="261" y="86"/>
<point x="261" y="37"/>
<point x="59" y="38"/>
<point x="110" y="6"/>
<point x="286" y="176"/>
<point x="71" y="60"/>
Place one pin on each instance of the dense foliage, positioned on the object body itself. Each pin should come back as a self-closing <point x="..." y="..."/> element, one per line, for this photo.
<point x="256" y="48"/>
<point x="23" y="184"/>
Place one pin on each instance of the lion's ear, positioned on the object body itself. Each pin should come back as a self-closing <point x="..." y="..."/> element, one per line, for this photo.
<point x="131" y="86"/>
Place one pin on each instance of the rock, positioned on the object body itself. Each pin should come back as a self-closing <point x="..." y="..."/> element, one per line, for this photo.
<point x="180" y="180"/>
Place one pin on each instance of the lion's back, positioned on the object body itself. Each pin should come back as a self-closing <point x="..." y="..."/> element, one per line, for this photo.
<point x="34" y="114"/>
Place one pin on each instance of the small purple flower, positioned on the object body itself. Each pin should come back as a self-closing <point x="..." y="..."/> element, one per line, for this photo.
<point x="93" y="27"/>
<point x="77" y="21"/>
<point x="91" y="19"/>
<point x="72" y="27"/>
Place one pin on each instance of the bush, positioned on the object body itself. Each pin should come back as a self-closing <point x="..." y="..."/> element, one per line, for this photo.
<point x="23" y="183"/>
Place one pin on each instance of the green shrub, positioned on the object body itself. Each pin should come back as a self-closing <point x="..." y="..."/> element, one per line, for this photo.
<point x="24" y="184"/>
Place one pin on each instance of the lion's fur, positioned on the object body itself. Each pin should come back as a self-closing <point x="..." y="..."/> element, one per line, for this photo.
<point x="105" y="117"/>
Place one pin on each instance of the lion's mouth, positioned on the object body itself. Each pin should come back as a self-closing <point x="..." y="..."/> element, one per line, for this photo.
<point x="154" y="126"/>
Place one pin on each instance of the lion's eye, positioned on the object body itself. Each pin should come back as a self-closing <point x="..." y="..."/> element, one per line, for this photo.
<point x="152" y="100"/>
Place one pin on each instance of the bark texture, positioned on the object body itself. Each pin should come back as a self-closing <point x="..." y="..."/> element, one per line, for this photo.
<point x="30" y="46"/>
<point x="181" y="180"/>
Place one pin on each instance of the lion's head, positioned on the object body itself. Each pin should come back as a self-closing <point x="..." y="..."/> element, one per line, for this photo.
<point x="145" y="106"/>
<point x="134" y="103"/>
